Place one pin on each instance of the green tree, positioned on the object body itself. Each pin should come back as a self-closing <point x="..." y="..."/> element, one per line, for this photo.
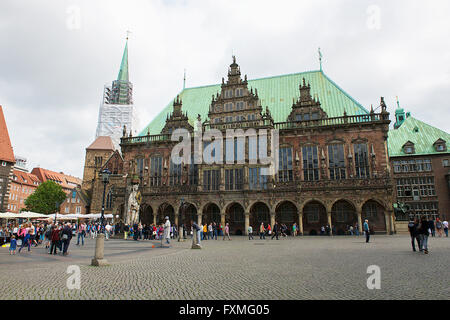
<point x="44" y="199"/>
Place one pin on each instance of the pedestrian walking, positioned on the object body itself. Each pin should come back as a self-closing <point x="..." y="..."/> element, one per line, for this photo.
<point x="26" y="241"/>
<point x="126" y="229"/>
<point x="439" y="227"/>
<point x="66" y="236"/>
<point x="366" y="230"/>
<point x="250" y="233"/>
<point x="445" y="225"/>
<point x="13" y="245"/>
<point x="294" y="230"/>
<point x="81" y="230"/>
<point x="215" y="231"/>
<point x="432" y="227"/>
<point x="412" y="227"/>
<point x="210" y="231"/>
<point x="424" y="232"/>
<point x="262" y="231"/>
<point x="275" y="230"/>
<point x="54" y="240"/>
<point x="227" y="232"/>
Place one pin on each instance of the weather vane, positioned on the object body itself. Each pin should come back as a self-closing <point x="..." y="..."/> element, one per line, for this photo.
<point x="128" y="33"/>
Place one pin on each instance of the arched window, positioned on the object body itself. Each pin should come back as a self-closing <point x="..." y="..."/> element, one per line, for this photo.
<point x="109" y="200"/>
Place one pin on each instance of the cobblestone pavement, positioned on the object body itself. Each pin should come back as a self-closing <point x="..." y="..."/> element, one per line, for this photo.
<point x="301" y="268"/>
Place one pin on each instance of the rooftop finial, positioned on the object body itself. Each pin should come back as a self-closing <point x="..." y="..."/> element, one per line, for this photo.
<point x="398" y="102"/>
<point x="320" y="59"/>
<point x="184" y="79"/>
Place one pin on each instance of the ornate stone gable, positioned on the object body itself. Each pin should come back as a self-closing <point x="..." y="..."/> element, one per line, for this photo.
<point x="177" y="119"/>
<point x="236" y="103"/>
<point x="306" y="107"/>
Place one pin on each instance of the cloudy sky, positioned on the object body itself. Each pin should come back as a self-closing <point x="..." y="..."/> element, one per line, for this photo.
<point x="57" y="55"/>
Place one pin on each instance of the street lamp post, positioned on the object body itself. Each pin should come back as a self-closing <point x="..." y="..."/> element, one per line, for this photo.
<point x="99" y="259"/>
<point x="57" y="204"/>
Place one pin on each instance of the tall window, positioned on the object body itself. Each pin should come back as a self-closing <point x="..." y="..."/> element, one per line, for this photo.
<point x="211" y="180"/>
<point x="285" y="172"/>
<point x="234" y="179"/>
<point x="193" y="172"/>
<point x="109" y="200"/>
<point x="140" y="166"/>
<point x="156" y="171"/>
<point x="256" y="181"/>
<point x="337" y="161"/>
<point x="175" y="174"/>
<point x="240" y="105"/>
<point x="361" y="161"/>
<point x="310" y="163"/>
<point x="98" y="161"/>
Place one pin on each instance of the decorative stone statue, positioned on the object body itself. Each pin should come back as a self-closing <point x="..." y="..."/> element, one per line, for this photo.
<point x="133" y="206"/>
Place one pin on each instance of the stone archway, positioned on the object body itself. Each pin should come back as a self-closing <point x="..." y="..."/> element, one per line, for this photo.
<point x="314" y="217"/>
<point x="286" y="213"/>
<point x="375" y="213"/>
<point x="164" y="210"/>
<point x="187" y="213"/>
<point x="343" y="214"/>
<point x="146" y="215"/>
<point x="259" y="213"/>
<point x="211" y="213"/>
<point x="235" y="216"/>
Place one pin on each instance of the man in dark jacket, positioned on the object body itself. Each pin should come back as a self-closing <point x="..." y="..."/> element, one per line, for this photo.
<point x="275" y="230"/>
<point x="412" y="227"/>
<point x="66" y="236"/>
<point x="423" y="233"/>
<point x="135" y="232"/>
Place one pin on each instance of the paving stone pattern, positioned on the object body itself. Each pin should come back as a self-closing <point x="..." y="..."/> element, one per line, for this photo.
<point x="300" y="268"/>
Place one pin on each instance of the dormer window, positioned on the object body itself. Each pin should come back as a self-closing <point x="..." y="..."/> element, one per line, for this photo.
<point x="440" y="145"/>
<point x="408" y="148"/>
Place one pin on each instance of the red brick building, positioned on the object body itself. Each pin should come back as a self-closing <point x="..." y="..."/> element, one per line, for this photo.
<point x="23" y="184"/>
<point x="333" y="159"/>
<point x="76" y="201"/>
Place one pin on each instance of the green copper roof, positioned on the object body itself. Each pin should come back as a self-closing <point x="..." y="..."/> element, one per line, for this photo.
<point x="275" y="92"/>
<point x="123" y="73"/>
<point x="421" y="134"/>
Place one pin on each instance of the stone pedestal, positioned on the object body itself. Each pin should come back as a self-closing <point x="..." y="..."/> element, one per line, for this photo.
<point x="99" y="260"/>
<point x="180" y="234"/>
<point x="195" y="244"/>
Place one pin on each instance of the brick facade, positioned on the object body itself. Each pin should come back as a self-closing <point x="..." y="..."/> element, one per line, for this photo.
<point x="311" y="189"/>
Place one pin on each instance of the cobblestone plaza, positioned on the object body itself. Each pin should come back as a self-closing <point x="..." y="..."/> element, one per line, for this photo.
<point x="301" y="268"/>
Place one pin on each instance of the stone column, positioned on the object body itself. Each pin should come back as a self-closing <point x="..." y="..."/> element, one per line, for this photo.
<point x="300" y="223"/>
<point x="154" y="219"/>
<point x="389" y="218"/>
<point x="359" y="213"/>
<point x="176" y="220"/>
<point x="199" y="218"/>
<point x="222" y="220"/>
<point x="180" y="234"/>
<point x="99" y="260"/>
<point x="195" y="244"/>
<point x="329" y="222"/>
<point x="247" y="222"/>
<point x="272" y="219"/>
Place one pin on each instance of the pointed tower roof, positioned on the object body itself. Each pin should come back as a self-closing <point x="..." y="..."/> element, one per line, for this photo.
<point x="123" y="73"/>
<point x="6" y="150"/>
<point x="102" y="143"/>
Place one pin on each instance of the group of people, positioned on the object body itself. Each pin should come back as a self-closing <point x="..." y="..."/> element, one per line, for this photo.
<point x="139" y="231"/>
<point x="421" y="229"/>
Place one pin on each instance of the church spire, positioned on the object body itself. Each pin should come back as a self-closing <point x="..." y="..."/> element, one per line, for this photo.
<point x="123" y="73"/>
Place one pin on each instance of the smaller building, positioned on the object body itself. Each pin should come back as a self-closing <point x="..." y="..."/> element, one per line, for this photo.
<point x="71" y="186"/>
<point x="420" y="161"/>
<point x="23" y="184"/>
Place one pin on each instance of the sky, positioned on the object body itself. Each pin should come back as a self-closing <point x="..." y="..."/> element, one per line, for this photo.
<point x="57" y="55"/>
